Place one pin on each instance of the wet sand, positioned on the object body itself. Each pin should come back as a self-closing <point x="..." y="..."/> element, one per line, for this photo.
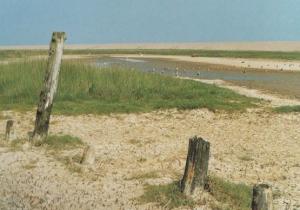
<point x="241" y="63"/>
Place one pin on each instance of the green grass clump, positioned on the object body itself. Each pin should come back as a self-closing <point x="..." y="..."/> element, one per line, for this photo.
<point x="229" y="196"/>
<point x="63" y="142"/>
<point x="84" y="89"/>
<point x="233" y="196"/>
<point x="168" y="196"/>
<point x="287" y="109"/>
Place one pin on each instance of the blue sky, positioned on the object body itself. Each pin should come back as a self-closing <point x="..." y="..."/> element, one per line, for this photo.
<point x="137" y="21"/>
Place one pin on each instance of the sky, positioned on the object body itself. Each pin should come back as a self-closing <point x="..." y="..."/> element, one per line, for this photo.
<point x="31" y="22"/>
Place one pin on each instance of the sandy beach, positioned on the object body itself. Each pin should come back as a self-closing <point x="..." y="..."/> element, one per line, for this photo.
<point x="252" y="147"/>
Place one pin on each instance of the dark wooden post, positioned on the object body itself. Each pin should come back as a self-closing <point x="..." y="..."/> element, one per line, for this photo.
<point x="262" y="197"/>
<point x="10" y="134"/>
<point x="195" y="174"/>
<point x="50" y="86"/>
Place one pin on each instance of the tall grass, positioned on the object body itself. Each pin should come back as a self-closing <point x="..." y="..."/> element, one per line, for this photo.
<point x="87" y="89"/>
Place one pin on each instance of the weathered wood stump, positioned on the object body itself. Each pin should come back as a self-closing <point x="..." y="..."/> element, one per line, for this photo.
<point x="10" y="133"/>
<point x="50" y="86"/>
<point x="88" y="156"/>
<point x="195" y="174"/>
<point x="262" y="197"/>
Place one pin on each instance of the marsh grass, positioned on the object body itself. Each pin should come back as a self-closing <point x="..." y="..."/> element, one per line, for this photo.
<point x="12" y="54"/>
<point x="4" y="54"/>
<point x="196" y="53"/>
<point x="229" y="196"/>
<point x="287" y="109"/>
<point x="84" y="89"/>
<point x="167" y="196"/>
<point x="232" y="196"/>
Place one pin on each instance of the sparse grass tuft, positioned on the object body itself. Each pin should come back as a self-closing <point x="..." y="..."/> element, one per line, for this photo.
<point x="72" y="166"/>
<point x="287" y="109"/>
<point x="168" y="196"/>
<point x="142" y="176"/>
<point x="228" y="196"/>
<point x="85" y="89"/>
<point x="16" y="145"/>
<point x="233" y="196"/>
<point x="245" y="158"/>
<point x="64" y="142"/>
<point x="31" y="165"/>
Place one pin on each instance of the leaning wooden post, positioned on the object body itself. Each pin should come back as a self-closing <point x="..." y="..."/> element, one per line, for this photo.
<point x="262" y="197"/>
<point x="195" y="174"/>
<point x="49" y="87"/>
<point x="10" y="134"/>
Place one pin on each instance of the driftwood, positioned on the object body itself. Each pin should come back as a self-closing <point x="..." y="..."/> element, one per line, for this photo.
<point x="50" y="86"/>
<point x="262" y="197"/>
<point x="195" y="174"/>
<point x="10" y="133"/>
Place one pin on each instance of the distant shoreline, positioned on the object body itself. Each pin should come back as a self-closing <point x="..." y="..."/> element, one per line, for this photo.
<point x="229" y="63"/>
<point x="283" y="46"/>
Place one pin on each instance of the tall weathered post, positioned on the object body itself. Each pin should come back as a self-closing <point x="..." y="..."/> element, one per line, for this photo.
<point x="262" y="197"/>
<point x="49" y="87"/>
<point x="195" y="174"/>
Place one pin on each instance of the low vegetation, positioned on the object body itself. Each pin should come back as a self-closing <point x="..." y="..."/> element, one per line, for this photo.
<point x="86" y="89"/>
<point x="197" y="53"/>
<point x="188" y="52"/>
<point x="287" y="109"/>
<point x="143" y="176"/>
<point x="12" y="54"/>
<point x="167" y="196"/>
<point x="229" y="196"/>
<point x="63" y="142"/>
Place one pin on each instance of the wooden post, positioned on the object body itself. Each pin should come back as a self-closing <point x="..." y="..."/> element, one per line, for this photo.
<point x="88" y="156"/>
<point x="262" y="197"/>
<point x="10" y="134"/>
<point x="195" y="174"/>
<point x="50" y="86"/>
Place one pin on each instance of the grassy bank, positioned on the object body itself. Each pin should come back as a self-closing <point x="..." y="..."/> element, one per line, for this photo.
<point x="287" y="109"/>
<point x="197" y="53"/>
<point x="86" y="89"/>
<point x="10" y="54"/>
<point x="227" y="195"/>
<point x="188" y="52"/>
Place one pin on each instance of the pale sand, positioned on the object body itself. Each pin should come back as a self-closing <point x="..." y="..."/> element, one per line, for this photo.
<point x="243" y="63"/>
<point x="287" y="46"/>
<point x="251" y="147"/>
